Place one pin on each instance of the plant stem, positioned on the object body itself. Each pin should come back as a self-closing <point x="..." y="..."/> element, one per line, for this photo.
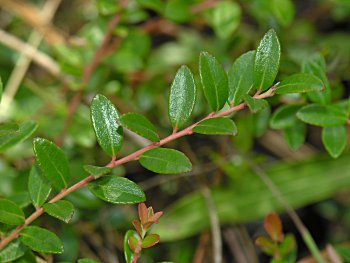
<point x="131" y="157"/>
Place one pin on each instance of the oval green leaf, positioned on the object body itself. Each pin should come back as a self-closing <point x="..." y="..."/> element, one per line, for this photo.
<point x="128" y="253"/>
<point x="322" y="115"/>
<point x="97" y="171"/>
<point x="240" y="77"/>
<point x="53" y="162"/>
<point x="284" y="117"/>
<point x="267" y="59"/>
<point x="12" y="251"/>
<point x="295" y="136"/>
<point x="104" y="120"/>
<point x="214" y="81"/>
<point x="11" y="213"/>
<point x="299" y="83"/>
<point x="255" y="105"/>
<point x="25" y="130"/>
<point x="283" y="10"/>
<point x="117" y="190"/>
<point x="140" y="125"/>
<point x="62" y="210"/>
<point x="8" y="128"/>
<point x="41" y="240"/>
<point x="182" y="97"/>
<point x="39" y="186"/>
<point x="334" y="139"/>
<point x="216" y="126"/>
<point x="165" y="161"/>
<point x="150" y="240"/>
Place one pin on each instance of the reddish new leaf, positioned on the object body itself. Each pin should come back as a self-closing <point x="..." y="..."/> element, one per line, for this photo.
<point x="273" y="227"/>
<point x="150" y="240"/>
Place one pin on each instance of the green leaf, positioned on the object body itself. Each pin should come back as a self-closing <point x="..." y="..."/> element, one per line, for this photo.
<point x="41" y="240"/>
<point x="284" y="117"/>
<point x="117" y="190"/>
<point x="62" y="210"/>
<point x="334" y="139"/>
<point x="128" y="253"/>
<point x="261" y="121"/>
<point x="10" y="213"/>
<point x="25" y="130"/>
<point x="225" y="18"/>
<point x="87" y="260"/>
<point x="39" y="186"/>
<point x="299" y="83"/>
<point x="12" y="251"/>
<point x="267" y="59"/>
<point x="53" y="162"/>
<point x="140" y="125"/>
<point x="182" y="97"/>
<point x="240" y="77"/>
<point x="21" y="198"/>
<point x="216" y="126"/>
<point x="255" y="105"/>
<point x="295" y="135"/>
<point x="156" y="5"/>
<point x="8" y="128"/>
<point x="150" y="240"/>
<point x="104" y="119"/>
<point x="165" y="161"/>
<point x="322" y="115"/>
<point x="97" y="171"/>
<point x="178" y="10"/>
<point x="284" y="11"/>
<point x="1" y="89"/>
<point x="214" y="81"/>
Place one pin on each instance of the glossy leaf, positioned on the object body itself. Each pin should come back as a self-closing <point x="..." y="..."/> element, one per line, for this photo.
<point x="255" y="105"/>
<point x="284" y="117"/>
<point x="284" y="11"/>
<point x="41" y="240"/>
<point x="334" y="139"/>
<point x="322" y="115"/>
<point x="150" y="240"/>
<point x="104" y="120"/>
<point x="214" y="81"/>
<point x="117" y="190"/>
<point x="62" y="210"/>
<point x="10" y="213"/>
<point x="295" y="136"/>
<point x="12" y="251"/>
<point x="267" y="59"/>
<point x="128" y="253"/>
<point x="8" y="128"/>
<point x="240" y="77"/>
<point x="299" y="83"/>
<point x="140" y="125"/>
<point x="25" y="130"/>
<point x="53" y="162"/>
<point x="39" y="186"/>
<point x="97" y="171"/>
<point x="182" y="97"/>
<point x="216" y="126"/>
<point x="166" y="161"/>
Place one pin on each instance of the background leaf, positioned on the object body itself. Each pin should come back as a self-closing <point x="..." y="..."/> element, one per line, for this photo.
<point x="87" y="260"/>
<point x="8" y="128"/>
<point x="10" y="213"/>
<point x="216" y="126"/>
<point x="182" y="97"/>
<point x="284" y="11"/>
<point x="165" y="161"/>
<point x="39" y="186"/>
<point x="62" y="209"/>
<point x="214" y="81"/>
<point x="117" y="190"/>
<point x="267" y="59"/>
<point x="284" y="117"/>
<point x="334" y="139"/>
<point x="53" y="162"/>
<point x="295" y="136"/>
<point x="298" y="83"/>
<point x="104" y="120"/>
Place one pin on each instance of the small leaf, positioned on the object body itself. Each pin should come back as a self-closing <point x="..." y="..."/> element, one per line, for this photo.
<point x="273" y="227"/>
<point x="150" y="240"/>
<point x="10" y="213"/>
<point x="25" y="130"/>
<point x="140" y="125"/>
<point x="334" y="139"/>
<point x="128" y="253"/>
<point x="87" y="260"/>
<point x="266" y="245"/>
<point x="143" y="212"/>
<point x="255" y="105"/>
<point x="216" y="126"/>
<point x="133" y="243"/>
<point x="53" y="162"/>
<point x="284" y="11"/>
<point x="166" y="161"/>
<point x="182" y="97"/>
<point x="214" y="81"/>
<point x="117" y="190"/>
<point x="287" y="245"/>
<point x="240" y="77"/>
<point x="137" y="226"/>
<point x="41" y="240"/>
<point x="62" y="210"/>
<point x="284" y="117"/>
<point x="39" y="186"/>
<point x="267" y="59"/>
<point x="104" y="120"/>
<point x="295" y="135"/>
<point x="299" y="83"/>
<point x="8" y="128"/>
<point x="97" y="171"/>
<point x="12" y="251"/>
<point x="322" y="115"/>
